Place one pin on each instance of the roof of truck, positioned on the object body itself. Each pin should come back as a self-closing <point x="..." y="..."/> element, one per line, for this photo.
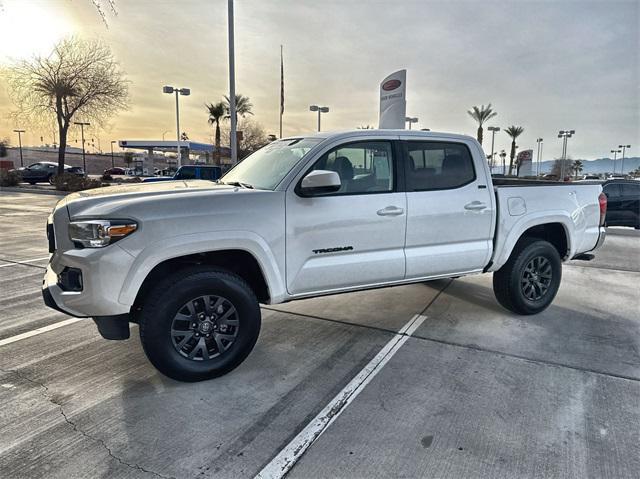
<point x="375" y="132"/>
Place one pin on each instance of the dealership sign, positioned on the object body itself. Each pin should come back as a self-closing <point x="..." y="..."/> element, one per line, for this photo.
<point x="524" y="163"/>
<point x="393" y="104"/>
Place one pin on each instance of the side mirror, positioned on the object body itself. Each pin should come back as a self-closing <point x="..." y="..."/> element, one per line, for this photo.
<point x="320" y="181"/>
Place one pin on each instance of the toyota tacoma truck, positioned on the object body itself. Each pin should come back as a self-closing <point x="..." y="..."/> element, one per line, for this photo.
<point x="190" y="261"/>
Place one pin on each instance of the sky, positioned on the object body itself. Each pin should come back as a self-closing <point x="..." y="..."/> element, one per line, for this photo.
<point x="543" y="65"/>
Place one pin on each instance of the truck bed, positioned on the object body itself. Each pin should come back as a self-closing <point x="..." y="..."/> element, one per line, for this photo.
<point x="500" y="181"/>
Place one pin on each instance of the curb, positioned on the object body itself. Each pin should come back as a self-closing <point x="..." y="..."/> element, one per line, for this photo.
<point x="19" y="189"/>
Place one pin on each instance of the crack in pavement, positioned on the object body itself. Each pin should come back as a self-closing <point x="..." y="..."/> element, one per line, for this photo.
<point x="46" y="394"/>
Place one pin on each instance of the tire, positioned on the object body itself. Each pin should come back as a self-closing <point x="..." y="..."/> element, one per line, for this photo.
<point x="202" y="352"/>
<point x="528" y="282"/>
<point x="32" y="182"/>
<point x="50" y="179"/>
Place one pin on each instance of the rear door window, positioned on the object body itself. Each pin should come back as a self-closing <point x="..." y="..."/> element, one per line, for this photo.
<point x="438" y="166"/>
<point x="630" y="190"/>
<point x="612" y="190"/>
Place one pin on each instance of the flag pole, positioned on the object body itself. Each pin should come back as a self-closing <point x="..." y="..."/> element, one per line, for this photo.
<point x="232" y="88"/>
<point x="281" y="89"/>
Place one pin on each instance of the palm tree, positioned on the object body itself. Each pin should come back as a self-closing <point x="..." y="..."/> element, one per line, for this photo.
<point x="217" y="112"/>
<point x="481" y="115"/>
<point x="577" y="167"/>
<point x="514" y="132"/>
<point x="243" y="106"/>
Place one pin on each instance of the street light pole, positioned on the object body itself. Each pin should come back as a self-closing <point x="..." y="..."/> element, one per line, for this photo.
<point x="20" y="132"/>
<point x="539" y="142"/>
<point x="624" y="149"/>
<point x="232" y="87"/>
<point x="113" y="163"/>
<point x="565" y="135"/>
<point x="184" y="92"/>
<point x="319" y="109"/>
<point x="615" y="155"/>
<point x="493" y="130"/>
<point x="84" y="160"/>
<point x="410" y="120"/>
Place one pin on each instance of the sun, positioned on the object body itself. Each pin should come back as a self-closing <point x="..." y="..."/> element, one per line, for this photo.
<point x="30" y="27"/>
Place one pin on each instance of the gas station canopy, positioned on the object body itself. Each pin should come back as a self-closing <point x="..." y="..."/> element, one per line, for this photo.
<point x="170" y="146"/>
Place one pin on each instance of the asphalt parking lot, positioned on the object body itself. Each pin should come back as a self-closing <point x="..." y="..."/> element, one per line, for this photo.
<point x="475" y="391"/>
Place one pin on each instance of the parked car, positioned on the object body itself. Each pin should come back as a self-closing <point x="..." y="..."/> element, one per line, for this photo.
<point x="304" y="217"/>
<point x="623" y="198"/>
<point x="190" y="172"/>
<point x="44" y="171"/>
<point x="116" y="170"/>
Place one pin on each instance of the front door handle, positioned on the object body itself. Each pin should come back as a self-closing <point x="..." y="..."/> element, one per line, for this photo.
<point x="390" y="211"/>
<point x="475" y="206"/>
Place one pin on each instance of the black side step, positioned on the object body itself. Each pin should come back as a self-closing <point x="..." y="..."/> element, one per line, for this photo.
<point x="584" y="257"/>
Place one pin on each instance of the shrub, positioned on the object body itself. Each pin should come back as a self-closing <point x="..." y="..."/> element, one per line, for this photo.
<point x="135" y="179"/>
<point x="107" y="177"/>
<point x="70" y="182"/>
<point x="9" y="178"/>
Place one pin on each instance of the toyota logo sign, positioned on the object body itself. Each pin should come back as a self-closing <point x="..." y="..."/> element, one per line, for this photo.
<point x="391" y="85"/>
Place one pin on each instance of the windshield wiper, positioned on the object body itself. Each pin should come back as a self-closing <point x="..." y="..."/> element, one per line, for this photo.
<point x="237" y="183"/>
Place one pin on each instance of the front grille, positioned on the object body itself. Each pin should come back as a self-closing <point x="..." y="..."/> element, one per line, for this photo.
<point x="51" y="237"/>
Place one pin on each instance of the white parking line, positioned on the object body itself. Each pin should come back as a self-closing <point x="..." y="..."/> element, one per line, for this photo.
<point x="35" y="332"/>
<point x="286" y="459"/>
<point x="15" y="263"/>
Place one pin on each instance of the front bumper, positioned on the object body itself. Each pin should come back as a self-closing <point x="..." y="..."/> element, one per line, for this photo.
<point x="103" y="274"/>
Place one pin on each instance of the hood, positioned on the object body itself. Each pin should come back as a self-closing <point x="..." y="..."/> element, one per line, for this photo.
<point x="126" y="193"/>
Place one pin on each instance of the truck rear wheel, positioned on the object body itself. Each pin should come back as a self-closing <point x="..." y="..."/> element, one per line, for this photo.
<point x="199" y="324"/>
<point x="529" y="280"/>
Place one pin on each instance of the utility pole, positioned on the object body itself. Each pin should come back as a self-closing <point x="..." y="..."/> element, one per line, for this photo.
<point x="113" y="163"/>
<point x="20" y="132"/>
<point x="84" y="160"/>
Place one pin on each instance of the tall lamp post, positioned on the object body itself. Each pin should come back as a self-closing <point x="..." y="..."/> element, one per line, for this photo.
<point x="493" y="130"/>
<point x="565" y="135"/>
<point x="84" y="160"/>
<point x="615" y="154"/>
<point x="319" y="109"/>
<point x="410" y="120"/>
<point x="181" y="91"/>
<point x="20" y="132"/>
<point x="539" y="142"/>
<point x="113" y="163"/>
<point x="624" y="149"/>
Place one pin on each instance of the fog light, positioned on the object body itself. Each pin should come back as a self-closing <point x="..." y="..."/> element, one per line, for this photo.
<point x="70" y="279"/>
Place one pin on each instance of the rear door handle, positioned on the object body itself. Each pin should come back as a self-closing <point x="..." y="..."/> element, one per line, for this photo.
<point x="390" y="211"/>
<point x="475" y="206"/>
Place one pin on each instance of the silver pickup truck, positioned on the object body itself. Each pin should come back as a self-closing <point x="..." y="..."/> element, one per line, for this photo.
<point x="190" y="261"/>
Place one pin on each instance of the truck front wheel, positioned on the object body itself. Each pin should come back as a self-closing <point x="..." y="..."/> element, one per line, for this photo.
<point x="199" y="324"/>
<point x="528" y="282"/>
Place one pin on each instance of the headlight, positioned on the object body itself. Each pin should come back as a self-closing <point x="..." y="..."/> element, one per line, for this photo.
<point x="100" y="233"/>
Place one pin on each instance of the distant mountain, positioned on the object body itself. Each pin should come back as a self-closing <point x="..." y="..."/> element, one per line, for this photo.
<point x="601" y="165"/>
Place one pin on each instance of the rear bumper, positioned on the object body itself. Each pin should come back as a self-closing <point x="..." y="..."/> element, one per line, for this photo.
<point x="601" y="237"/>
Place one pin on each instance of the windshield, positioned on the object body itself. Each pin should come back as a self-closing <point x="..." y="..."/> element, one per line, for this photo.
<point x="265" y="168"/>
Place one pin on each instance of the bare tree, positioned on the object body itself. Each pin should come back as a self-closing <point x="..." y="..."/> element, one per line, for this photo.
<point x="79" y="79"/>
<point x="254" y="136"/>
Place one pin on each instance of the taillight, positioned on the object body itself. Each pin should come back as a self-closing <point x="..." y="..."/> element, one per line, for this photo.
<point x="602" y="199"/>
